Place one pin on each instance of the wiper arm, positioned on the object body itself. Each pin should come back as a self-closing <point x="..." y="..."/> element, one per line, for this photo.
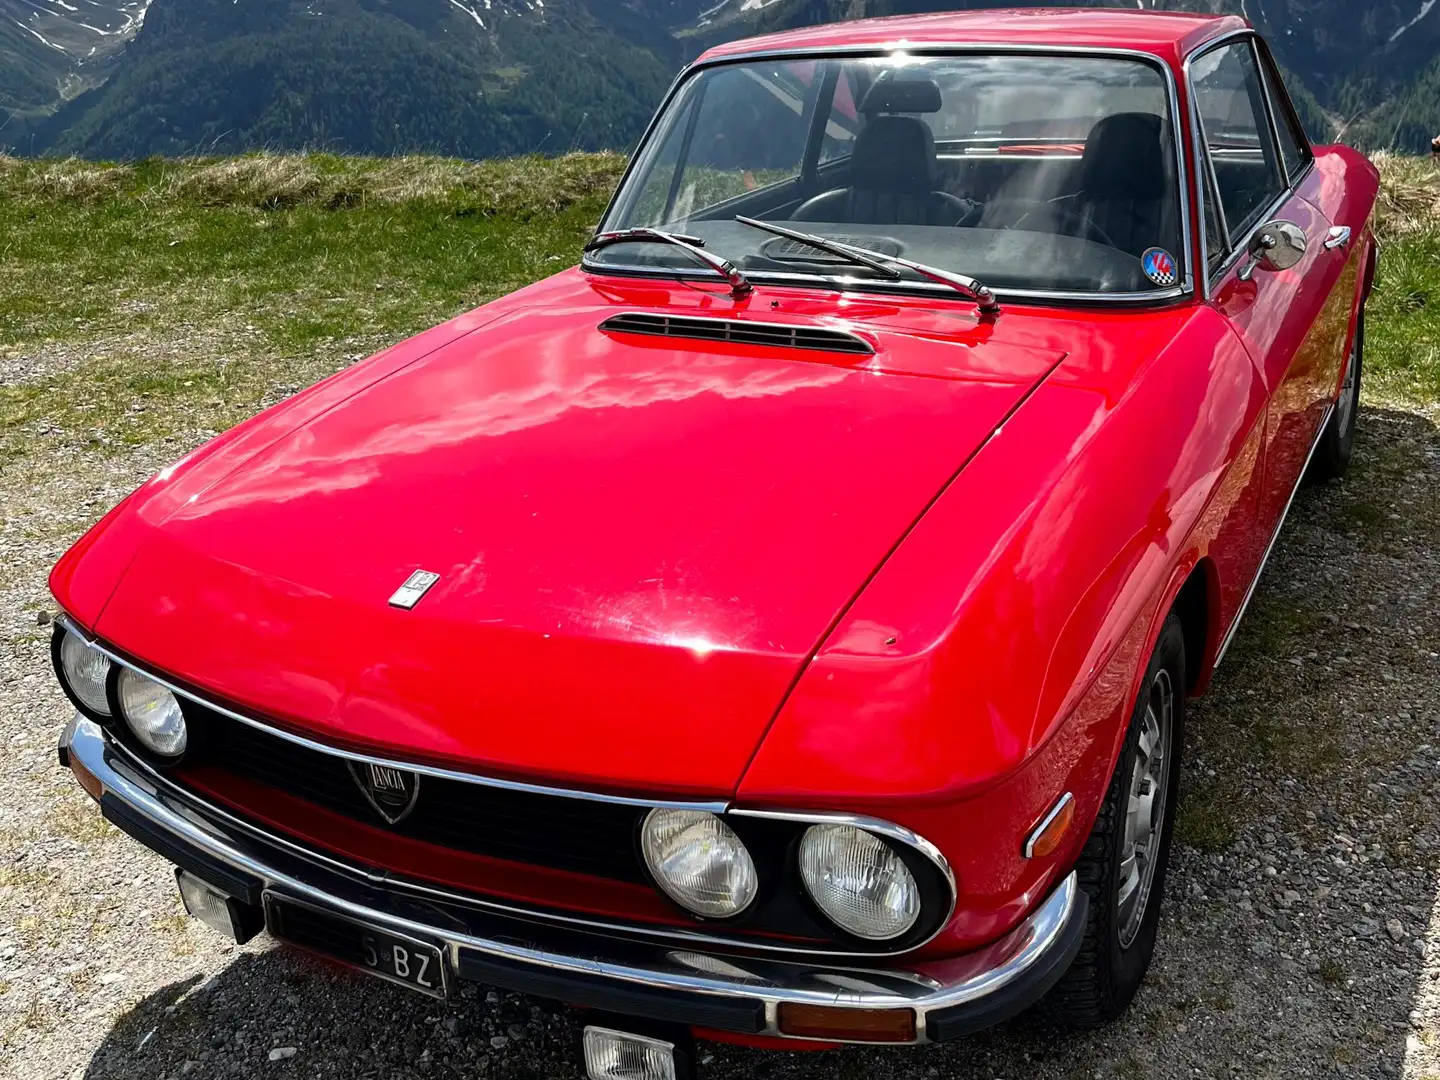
<point x="879" y="260"/>
<point x="739" y="285"/>
<point x="823" y="243"/>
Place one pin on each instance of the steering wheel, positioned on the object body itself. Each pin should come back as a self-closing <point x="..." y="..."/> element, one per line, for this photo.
<point x="1065" y="217"/>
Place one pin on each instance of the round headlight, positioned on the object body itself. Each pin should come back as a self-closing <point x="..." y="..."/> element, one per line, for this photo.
<point x="83" y="671"/>
<point x="859" y="882"/>
<point x="152" y="714"/>
<point x="699" y="862"/>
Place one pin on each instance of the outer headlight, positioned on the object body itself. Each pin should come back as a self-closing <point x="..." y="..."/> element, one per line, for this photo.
<point x="152" y="713"/>
<point x="699" y="862"/>
<point x="82" y="671"/>
<point x="859" y="882"/>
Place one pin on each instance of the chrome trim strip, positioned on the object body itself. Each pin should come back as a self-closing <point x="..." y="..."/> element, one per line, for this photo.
<point x="925" y="988"/>
<point x="1255" y="581"/>
<point x="709" y="806"/>
<point x="1187" y="284"/>
<point x="1055" y="811"/>
<point x="887" y="829"/>
<point x="896" y="832"/>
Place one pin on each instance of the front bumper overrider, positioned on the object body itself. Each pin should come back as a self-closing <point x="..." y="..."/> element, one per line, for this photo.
<point x="732" y="992"/>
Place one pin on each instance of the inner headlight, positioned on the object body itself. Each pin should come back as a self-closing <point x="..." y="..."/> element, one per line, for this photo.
<point x="82" y="671"/>
<point x="859" y="882"/>
<point x="699" y="862"/>
<point x="152" y="713"/>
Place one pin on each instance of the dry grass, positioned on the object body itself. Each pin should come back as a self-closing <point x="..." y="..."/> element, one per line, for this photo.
<point x="283" y="181"/>
<point x="1409" y="195"/>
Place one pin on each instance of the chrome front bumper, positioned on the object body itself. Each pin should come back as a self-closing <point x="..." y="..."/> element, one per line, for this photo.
<point x="530" y="954"/>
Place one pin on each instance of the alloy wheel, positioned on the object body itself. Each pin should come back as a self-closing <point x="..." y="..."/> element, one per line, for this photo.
<point x="1145" y="808"/>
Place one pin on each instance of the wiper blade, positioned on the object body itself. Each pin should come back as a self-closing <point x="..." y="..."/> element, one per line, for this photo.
<point x="879" y="260"/>
<point x="739" y="285"/>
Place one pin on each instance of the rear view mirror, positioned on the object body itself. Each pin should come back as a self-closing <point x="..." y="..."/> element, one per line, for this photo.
<point x="1276" y="245"/>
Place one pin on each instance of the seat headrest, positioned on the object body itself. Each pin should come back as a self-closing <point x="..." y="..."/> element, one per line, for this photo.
<point x="894" y="153"/>
<point x="892" y="95"/>
<point x="1124" y="157"/>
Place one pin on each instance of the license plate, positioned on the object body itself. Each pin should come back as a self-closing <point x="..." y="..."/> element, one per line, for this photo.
<point x="408" y="961"/>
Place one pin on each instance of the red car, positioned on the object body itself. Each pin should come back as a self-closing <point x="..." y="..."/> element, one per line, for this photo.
<point x="778" y="628"/>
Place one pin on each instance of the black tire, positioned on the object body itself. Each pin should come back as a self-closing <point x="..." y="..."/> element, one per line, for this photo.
<point x="1332" y="453"/>
<point x="1108" y="971"/>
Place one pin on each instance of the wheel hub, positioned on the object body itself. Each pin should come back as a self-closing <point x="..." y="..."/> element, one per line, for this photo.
<point x="1145" y="808"/>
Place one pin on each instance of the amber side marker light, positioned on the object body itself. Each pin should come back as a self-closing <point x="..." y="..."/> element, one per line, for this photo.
<point x="88" y="780"/>
<point x="1046" y="838"/>
<point x="850" y="1025"/>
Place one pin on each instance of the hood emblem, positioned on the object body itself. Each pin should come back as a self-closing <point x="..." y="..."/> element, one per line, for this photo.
<point x="414" y="589"/>
<point x="391" y="792"/>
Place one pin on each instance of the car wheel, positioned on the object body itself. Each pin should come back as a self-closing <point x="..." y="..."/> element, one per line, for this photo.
<point x="1122" y="867"/>
<point x="1332" y="455"/>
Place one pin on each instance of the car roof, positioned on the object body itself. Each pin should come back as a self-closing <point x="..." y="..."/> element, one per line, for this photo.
<point x="1171" y="35"/>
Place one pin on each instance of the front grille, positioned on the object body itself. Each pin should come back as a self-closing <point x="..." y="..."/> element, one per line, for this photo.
<point x="736" y="331"/>
<point x="580" y="835"/>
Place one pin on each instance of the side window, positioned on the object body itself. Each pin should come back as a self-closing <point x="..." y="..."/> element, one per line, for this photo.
<point x="1230" y="99"/>
<point x="843" y="121"/>
<point x="1294" y="147"/>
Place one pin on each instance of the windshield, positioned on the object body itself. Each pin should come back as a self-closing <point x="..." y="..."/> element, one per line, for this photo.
<point x="1030" y="172"/>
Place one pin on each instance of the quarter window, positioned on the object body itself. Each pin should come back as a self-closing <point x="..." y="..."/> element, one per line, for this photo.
<point x="1293" y="146"/>
<point x="1231" y="101"/>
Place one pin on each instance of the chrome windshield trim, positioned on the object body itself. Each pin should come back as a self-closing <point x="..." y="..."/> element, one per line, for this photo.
<point x="926" y="987"/>
<point x="848" y="283"/>
<point x="710" y="806"/>
<point x="1187" y="285"/>
<point x="158" y="783"/>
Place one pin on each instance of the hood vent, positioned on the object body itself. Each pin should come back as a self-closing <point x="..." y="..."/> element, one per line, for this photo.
<point x="777" y="335"/>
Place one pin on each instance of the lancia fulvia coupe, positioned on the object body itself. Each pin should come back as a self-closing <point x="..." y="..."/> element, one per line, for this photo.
<point x="779" y="627"/>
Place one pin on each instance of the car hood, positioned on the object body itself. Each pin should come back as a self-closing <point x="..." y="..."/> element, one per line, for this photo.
<point x="639" y="541"/>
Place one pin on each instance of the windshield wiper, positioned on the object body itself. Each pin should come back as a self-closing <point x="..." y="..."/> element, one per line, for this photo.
<point x="879" y="260"/>
<point x="739" y="285"/>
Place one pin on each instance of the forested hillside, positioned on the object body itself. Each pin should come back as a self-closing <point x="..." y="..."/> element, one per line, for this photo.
<point x="485" y="78"/>
<point x="379" y="76"/>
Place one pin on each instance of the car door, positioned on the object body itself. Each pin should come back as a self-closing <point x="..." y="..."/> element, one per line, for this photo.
<point x="1249" y="184"/>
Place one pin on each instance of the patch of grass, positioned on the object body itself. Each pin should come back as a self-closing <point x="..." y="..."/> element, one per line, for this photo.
<point x="1209" y="815"/>
<point x="1364" y="516"/>
<point x="1331" y="973"/>
<point x="219" y="285"/>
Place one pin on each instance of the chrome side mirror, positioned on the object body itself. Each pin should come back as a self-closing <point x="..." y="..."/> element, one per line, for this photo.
<point x="1276" y="245"/>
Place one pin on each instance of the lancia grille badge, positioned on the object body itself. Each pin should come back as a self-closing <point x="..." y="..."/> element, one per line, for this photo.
<point x="414" y="589"/>
<point x="392" y="792"/>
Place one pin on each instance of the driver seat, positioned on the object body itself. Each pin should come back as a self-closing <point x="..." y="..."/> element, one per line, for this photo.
<point x="894" y="166"/>
<point x="1123" y="187"/>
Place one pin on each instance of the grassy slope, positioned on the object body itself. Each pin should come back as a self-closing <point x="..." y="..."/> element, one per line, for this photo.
<point x="182" y="296"/>
<point x="192" y="293"/>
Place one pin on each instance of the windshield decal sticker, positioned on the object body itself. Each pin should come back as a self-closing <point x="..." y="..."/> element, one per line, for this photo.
<point x="1159" y="266"/>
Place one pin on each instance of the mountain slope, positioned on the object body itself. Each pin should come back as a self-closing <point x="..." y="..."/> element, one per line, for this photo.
<point x="462" y="77"/>
<point x="51" y="50"/>
<point x="481" y="78"/>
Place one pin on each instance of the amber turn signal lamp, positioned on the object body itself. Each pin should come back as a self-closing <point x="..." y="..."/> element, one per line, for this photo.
<point x="849" y="1025"/>
<point x="88" y="780"/>
<point x="1046" y="838"/>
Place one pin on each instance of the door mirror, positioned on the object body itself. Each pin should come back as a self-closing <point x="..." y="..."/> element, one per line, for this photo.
<point x="1276" y="245"/>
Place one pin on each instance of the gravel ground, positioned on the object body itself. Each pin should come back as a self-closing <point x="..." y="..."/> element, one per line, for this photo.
<point x="1301" y="937"/>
